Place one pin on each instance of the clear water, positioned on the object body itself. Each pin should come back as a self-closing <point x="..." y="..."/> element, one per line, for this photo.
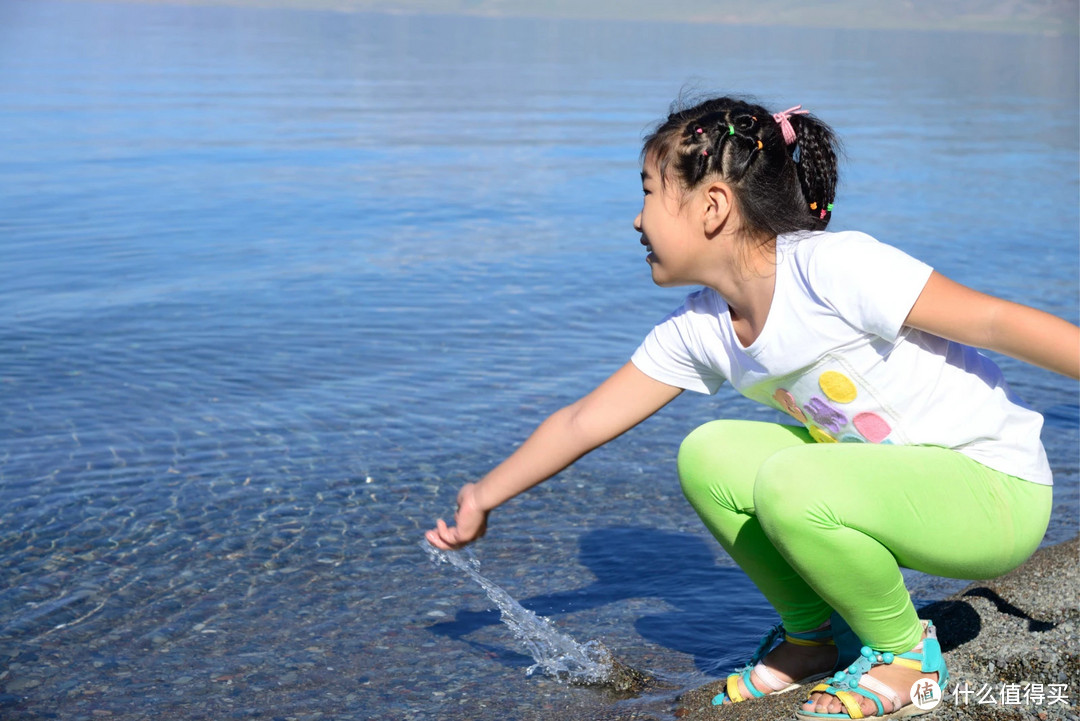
<point x="275" y="283"/>
<point x="555" y="653"/>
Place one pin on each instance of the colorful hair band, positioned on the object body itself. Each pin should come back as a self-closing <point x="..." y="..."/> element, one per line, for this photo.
<point x="731" y="130"/>
<point x="784" y="121"/>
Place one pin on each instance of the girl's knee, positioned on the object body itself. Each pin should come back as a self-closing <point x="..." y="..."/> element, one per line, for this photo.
<point x="723" y="457"/>
<point x="695" y="450"/>
<point x="702" y="458"/>
<point x="710" y="450"/>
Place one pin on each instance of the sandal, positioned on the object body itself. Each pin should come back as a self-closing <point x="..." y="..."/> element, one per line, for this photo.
<point x="838" y="634"/>
<point x="925" y="657"/>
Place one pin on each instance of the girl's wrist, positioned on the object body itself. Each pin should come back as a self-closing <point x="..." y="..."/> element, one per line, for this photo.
<point x="476" y="495"/>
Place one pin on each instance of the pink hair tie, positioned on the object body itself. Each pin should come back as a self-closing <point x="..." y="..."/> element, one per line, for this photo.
<point x="782" y="119"/>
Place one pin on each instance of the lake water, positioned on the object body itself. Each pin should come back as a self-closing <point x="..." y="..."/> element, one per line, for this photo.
<point x="275" y="283"/>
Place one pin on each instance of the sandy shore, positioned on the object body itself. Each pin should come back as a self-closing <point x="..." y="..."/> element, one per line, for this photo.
<point x="998" y="636"/>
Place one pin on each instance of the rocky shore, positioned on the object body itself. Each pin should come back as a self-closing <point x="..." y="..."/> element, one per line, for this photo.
<point x="1014" y="640"/>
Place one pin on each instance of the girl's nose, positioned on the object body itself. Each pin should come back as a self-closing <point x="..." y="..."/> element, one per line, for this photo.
<point x="637" y="223"/>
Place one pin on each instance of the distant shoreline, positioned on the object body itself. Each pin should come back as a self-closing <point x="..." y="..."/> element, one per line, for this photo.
<point x="1014" y="18"/>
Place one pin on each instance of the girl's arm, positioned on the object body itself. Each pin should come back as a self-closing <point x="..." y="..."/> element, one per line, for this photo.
<point x="950" y="310"/>
<point x="617" y="405"/>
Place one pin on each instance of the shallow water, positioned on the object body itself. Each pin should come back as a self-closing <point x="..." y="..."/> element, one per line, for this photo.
<point x="555" y="653"/>
<point x="276" y="283"/>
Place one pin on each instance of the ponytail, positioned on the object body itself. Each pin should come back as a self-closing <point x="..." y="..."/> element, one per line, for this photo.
<point x="816" y="164"/>
<point x="780" y="186"/>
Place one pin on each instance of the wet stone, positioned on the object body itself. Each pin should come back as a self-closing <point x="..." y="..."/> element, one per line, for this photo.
<point x="625" y="679"/>
<point x="22" y="684"/>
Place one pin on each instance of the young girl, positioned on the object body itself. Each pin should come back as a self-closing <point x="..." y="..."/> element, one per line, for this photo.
<point x="912" y="451"/>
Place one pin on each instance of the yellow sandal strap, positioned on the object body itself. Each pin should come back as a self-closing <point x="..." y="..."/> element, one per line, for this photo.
<point x="733" y="688"/>
<point x="850" y="703"/>
<point x="908" y="662"/>
<point x="808" y="642"/>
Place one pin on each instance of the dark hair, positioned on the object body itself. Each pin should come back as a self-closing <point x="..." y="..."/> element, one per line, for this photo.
<point x="779" y="188"/>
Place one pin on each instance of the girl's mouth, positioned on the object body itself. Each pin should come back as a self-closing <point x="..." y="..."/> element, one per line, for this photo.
<point x="648" y="249"/>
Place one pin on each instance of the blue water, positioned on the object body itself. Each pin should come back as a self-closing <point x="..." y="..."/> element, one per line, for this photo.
<point x="275" y="283"/>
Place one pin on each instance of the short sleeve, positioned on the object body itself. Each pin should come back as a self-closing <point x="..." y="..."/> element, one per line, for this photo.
<point x="870" y="284"/>
<point x="673" y="352"/>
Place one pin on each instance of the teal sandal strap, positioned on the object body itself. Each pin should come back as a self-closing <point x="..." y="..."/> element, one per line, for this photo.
<point x="750" y="686"/>
<point x="768" y="640"/>
<point x="847" y="642"/>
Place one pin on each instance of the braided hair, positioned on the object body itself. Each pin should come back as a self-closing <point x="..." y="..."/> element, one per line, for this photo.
<point x="779" y="188"/>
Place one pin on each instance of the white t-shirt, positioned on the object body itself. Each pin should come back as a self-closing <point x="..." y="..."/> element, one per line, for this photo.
<point x="834" y="355"/>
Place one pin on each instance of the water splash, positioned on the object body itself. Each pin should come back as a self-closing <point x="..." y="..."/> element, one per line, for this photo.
<point x="555" y="653"/>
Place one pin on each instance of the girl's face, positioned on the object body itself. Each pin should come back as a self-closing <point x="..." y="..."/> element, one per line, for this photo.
<point x="667" y="230"/>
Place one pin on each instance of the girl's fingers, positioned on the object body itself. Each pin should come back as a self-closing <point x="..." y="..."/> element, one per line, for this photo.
<point x="445" y="537"/>
<point x="450" y="538"/>
<point x="440" y="536"/>
<point x="433" y="538"/>
<point x="448" y="534"/>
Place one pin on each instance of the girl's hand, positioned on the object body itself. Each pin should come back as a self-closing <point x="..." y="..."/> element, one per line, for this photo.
<point x="470" y="523"/>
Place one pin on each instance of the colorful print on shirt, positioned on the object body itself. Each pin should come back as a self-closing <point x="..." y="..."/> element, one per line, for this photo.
<point x="833" y="402"/>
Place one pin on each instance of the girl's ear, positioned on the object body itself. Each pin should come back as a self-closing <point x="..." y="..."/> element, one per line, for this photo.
<point x="718" y="206"/>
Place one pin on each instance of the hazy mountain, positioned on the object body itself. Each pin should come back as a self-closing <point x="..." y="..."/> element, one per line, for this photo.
<point x="1027" y="16"/>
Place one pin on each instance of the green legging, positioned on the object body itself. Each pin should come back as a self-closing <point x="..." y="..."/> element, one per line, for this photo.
<point x="826" y="526"/>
